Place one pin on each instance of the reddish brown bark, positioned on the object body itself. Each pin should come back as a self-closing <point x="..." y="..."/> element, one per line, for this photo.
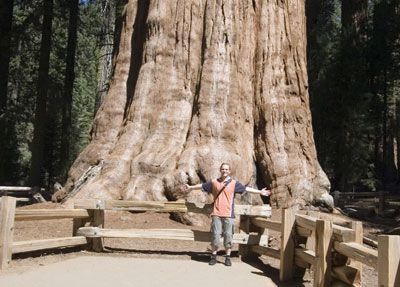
<point x="197" y="83"/>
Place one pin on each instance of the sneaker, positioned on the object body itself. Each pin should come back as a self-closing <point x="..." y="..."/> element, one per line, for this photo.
<point x="213" y="260"/>
<point x="228" y="261"/>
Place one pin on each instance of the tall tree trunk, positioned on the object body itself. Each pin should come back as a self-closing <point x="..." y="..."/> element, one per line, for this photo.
<point x="384" y="44"/>
<point x="390" y="89"/>
<point x="353" y="68"/>
<point x="108" y="11"/>
<point x="69" y="83"/>
<point x="354" y="20"/>
<point x="6" y="13"/>
<point x="198" y="83"/>
<point x="36" y="169"/>
<point x="385" y="129"/>
<point x="321" y="30"/>
<point x="397" y="137"/>
<point x="314" y="10"/>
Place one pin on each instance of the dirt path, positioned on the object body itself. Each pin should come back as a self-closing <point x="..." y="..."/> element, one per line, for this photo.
<point x="112" y="271"/>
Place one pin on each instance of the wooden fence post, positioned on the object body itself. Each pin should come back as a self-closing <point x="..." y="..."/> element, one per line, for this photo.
<point x="381" y="204"/>
<point x="323" y="254"/>
<point x="358" y="238"/>
<point x="97" y="220"/>
<point x="287" y="245"/>
<point x="78" y="223"/>
<point x="388" y="261"/>
<point x="264" y="237"/>
<point x="81" y="222"/>
<point x="7" y="218"/>
<point x="244" y="227"/>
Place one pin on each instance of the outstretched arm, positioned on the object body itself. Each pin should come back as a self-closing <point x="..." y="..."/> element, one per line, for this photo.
<point x="188" y="187"/>
<point x="264" y="191"/>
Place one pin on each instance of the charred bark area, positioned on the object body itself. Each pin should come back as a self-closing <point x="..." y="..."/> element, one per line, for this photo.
<point x="198" y="83"/>
<point x="138" y="40"/>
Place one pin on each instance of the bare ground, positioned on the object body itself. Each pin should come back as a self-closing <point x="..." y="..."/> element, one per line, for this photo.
<point x="149" y="248"/>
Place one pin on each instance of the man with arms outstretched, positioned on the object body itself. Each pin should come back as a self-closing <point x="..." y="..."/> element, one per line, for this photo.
<point x="223" y="190"/>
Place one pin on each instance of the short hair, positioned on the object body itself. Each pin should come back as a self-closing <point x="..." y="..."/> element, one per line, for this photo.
<point x="224" y="163"/>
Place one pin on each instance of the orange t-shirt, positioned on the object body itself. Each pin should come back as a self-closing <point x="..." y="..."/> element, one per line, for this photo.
<point x="224" y="203"/>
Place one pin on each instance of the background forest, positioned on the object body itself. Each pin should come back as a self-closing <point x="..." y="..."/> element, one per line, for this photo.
<point x="56" y="60"/>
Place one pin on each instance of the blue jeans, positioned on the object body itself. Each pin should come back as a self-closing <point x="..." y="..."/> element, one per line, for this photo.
<point x="221" y="226"/>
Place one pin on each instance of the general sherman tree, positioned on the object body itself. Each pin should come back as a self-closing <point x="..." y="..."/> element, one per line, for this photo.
<point x="197" y="83"/>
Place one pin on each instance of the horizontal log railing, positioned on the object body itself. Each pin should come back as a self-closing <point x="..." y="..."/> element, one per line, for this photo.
<point x="340" y="233"/>
<point x="35" y="245"/>
<point x="359" y="194"/>
<point x="4" y="189"/>
<point x="267" y="251"/>
<point x="92" y="212"/>
<point x="167" y="206"/>
<point x="175" y="234"/>
<point x="266" y="223"/>
<point x="332" y="246"/>
<point x="326" y="237"/>
<point x="22" y="193"/>
<point x="358" y="252"/>
<point x="377" y="202"/>
<point x="9" y="215"/>
<point x="46" y="214"/>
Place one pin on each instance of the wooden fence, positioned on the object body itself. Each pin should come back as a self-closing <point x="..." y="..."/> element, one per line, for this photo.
<point x="377" y="202"/>
<point x="22" y="193"/>
<point x="332" y="247"/>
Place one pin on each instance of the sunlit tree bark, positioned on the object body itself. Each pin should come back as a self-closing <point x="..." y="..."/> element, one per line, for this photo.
<point x="198" y="83"/>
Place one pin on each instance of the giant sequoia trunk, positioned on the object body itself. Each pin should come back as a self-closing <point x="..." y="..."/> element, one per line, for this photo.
<point x="198" y="83"/>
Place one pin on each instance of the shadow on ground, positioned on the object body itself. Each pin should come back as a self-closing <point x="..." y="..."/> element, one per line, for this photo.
<point x="273" y="273"/>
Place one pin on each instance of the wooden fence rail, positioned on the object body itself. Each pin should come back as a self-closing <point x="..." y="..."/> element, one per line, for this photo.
<point x="167" y="206"/>
<point x="175" y="234"/>
<point x="46" y="214"/>
<point x="378" y="202"/>
<point x="35" y="245"/>
<point x="8" y="216"/>
<point x="328" y="238"/>
<point x="333" y="247"/>
<point x="23" y="194"/>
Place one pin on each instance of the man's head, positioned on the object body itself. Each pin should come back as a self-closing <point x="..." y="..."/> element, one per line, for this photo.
<point x="225" y="170"/>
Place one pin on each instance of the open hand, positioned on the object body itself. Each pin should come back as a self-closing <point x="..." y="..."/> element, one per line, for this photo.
<point x="185" y="188"/>
<point x="265" y="192"/>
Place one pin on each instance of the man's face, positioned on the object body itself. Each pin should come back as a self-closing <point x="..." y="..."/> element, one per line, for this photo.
<point x="225" y="170"/>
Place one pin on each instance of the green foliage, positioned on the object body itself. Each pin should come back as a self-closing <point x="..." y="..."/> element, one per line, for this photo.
<point x="26" y="39"/>
<point x="22" y="83"/>
<point x="352" y="94"/>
